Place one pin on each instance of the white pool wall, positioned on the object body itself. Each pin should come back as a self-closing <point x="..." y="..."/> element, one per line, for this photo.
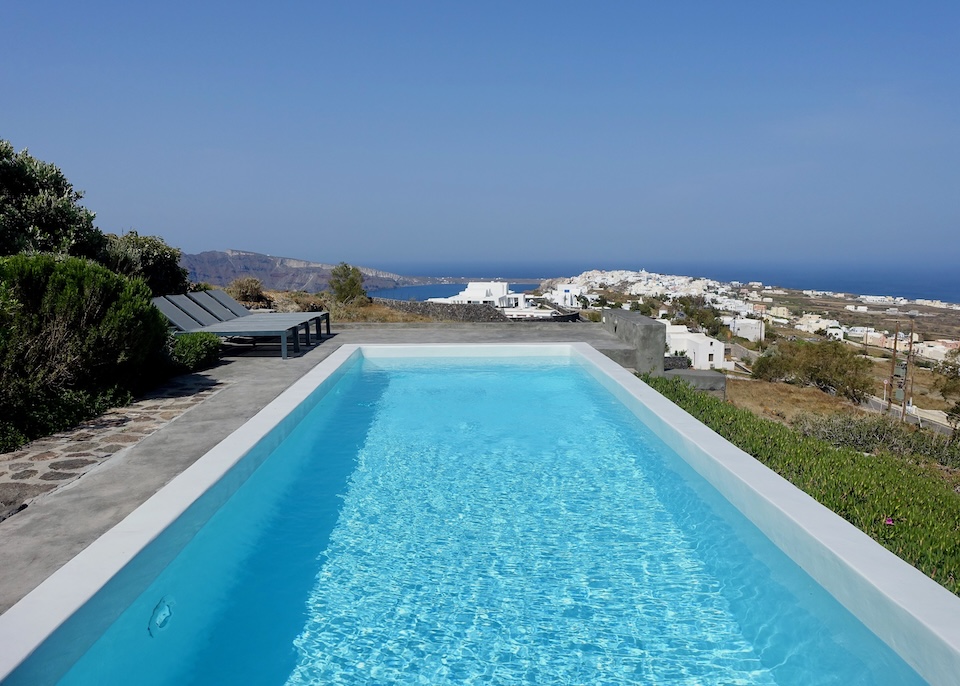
<point x="915" y="616"/>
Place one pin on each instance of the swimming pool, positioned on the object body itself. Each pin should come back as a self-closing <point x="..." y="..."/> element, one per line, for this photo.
<point x="464" y="513"/>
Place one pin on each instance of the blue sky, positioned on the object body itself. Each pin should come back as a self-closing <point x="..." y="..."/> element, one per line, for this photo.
<point x="402" y="135"/>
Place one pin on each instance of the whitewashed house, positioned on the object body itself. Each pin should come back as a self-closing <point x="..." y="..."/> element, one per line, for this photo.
<point x="495" y="293"/>
<point x="751" y="329"/>
<point x="931" y="350"/>
<point x="811" y="323"/>
<point x="566" y="295"/>
<point x="704" y="352"/>
<point x="498" y="294"/>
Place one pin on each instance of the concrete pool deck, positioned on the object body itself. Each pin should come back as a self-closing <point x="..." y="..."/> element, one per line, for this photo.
<point x="57" y="525"/>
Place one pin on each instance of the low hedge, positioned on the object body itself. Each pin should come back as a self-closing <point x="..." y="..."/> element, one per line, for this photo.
<point x="902" y="503"/>
<point x="192" y="352"/>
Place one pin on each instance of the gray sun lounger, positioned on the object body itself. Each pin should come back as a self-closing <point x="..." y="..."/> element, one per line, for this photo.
<point x="186" y="323"/>
<point x="222" y="306"/>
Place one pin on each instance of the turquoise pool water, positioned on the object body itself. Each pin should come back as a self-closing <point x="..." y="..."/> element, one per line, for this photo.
<point x="465" y="521"/>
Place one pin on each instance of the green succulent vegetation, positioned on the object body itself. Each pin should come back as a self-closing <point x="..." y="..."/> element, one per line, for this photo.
<point x="898" y="500"/>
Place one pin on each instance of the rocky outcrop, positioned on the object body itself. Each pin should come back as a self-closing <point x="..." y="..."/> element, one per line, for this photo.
<point x="219" y="268"/>
<point x="446" y="311"/>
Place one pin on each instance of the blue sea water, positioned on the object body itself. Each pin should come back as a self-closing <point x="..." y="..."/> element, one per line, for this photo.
<point x="934" y="280"/>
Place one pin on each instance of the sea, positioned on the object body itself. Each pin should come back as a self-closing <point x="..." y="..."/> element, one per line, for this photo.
<point x="926" y="281"/>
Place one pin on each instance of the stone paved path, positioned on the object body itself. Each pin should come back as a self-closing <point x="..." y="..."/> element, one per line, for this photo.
<point x="48" y="463"/>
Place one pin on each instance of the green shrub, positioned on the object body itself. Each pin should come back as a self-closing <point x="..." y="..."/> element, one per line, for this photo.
<point x="877" y="434"/>
<point x="831" y="366"/>
<point x="195" y="351"/>
<point x="901" y="503"/>
<point x="346" y="283"/>
<point x="148" y="258"/>
<point x="247" y="289"/>
<point x="75" y="338"/>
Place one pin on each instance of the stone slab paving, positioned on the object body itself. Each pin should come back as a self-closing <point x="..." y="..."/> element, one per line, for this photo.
<point x="47" y="463"/>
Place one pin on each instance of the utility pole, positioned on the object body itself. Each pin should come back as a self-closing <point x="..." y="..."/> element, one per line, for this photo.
<point x="906" y="372"/>
<point x="893" y="367"/>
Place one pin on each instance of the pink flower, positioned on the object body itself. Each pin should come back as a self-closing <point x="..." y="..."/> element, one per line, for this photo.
<point x="888" y="521"/>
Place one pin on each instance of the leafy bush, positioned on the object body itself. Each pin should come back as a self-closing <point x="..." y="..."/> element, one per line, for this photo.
<point x="75" y="338"/>
<point x="901" y="503"/>
<point x="346" y="283"/>
<point x="301" y="301"/>
<point x="195" y="351"/>
<point x="149" y="258"/>
<point x="591" y="315"/>
<point x="246" y="289"/>
<point x="877" y="434"/>
<point x="831" y="366"/>
<point x="696" y="309"/>
<point x="40" y="211"/>
<point x="948" y="375"/>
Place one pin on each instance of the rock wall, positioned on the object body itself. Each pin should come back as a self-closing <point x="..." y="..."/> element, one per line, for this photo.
<point x="219" y="268"/>
<point x="446" y="312"/>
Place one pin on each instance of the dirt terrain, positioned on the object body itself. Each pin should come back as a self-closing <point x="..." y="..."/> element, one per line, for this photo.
<point x="781" y="401"/>
<point x="931" y="323"/>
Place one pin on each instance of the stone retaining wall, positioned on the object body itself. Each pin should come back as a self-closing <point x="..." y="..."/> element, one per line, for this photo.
<point x="647" y="336"/>
<point x="445" y="311"/>
<point x="675" y="362"/>
<point x="703" y="380"/>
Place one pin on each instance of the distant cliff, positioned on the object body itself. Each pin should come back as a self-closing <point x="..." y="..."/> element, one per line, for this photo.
<point x="219" y="268"/>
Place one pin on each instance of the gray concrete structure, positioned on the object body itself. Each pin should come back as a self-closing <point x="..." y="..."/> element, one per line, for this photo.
<point x="702" y="380"/>
<point x="56" y="526"/>
<point x="738" y="351"/>
<point x="647" y="337"/>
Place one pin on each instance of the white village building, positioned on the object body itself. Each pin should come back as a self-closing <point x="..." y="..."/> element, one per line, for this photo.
<point x="704" y="352"/>
<point x="566" y="295"/>
<point x="495" y="293"/>
<point x="751" y="329"/>
<point x="811" y="323"/>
